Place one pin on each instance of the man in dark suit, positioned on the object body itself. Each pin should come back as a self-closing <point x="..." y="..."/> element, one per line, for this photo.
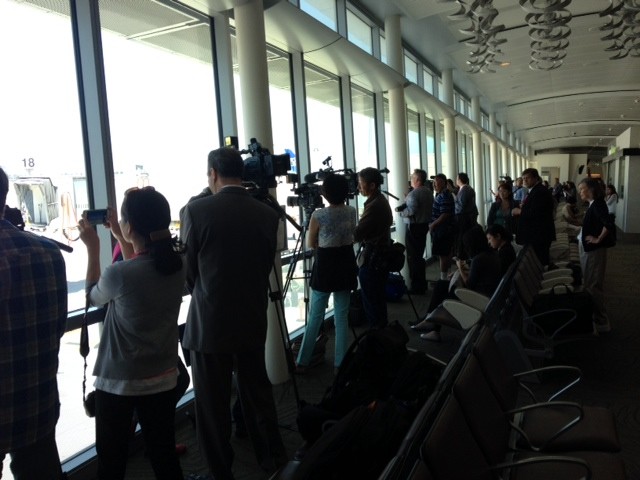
<point x="230" y="240"/>
<point x="466" y="211"/>
<point x="536" y="226"/>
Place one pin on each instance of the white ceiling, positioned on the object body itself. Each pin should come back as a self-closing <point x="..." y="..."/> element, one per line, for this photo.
<point x="587" y="102"/>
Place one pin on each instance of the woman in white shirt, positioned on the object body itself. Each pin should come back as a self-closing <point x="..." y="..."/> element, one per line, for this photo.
<point x="611" y="198"/>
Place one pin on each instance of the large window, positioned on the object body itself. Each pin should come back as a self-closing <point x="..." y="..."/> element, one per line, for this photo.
<point x="444" y="159"/>
<point x="431" y="146"/>
<point x="324" y="119"/>
<point x="364" y="129"/>
<point x="282" y="128"/>
<point x="41" y="149"/>
<point x="161" y="98"/>
<point x="413" y="132"/>
<point x="42" y="152"/>
<point x="410" y="69"/>
<point x="428" y="80"/>
<point x="359" y="32"/>
<point x="322" y="10"/>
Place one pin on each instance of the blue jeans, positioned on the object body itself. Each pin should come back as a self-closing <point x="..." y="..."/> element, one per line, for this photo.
<point x="374" y="301"/>
<point x="319" y="302"/>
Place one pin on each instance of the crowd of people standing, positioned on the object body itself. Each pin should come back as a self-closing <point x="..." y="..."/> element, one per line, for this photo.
<point x="137" y="369"/>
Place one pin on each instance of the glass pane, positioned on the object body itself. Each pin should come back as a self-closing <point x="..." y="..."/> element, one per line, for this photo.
<point x="383" y="49"/>
<point x="410" y="69"/>
<point x="359" y="32"/>
<point x="428" y="81"/>
<point x="322" y="10"/>
<point x="42" y="150"/>
<point x="364" y="131"/>
<point x="431" y="146"/>
<point x="324" y="118"/>
<point x="414" y="141"/>
<point x="444" y="159"/>
<point x="161" y="98"/>
<point x="282" y="128"/>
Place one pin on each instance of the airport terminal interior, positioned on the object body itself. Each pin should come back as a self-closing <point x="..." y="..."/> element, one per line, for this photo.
<point x="98" y="96"/>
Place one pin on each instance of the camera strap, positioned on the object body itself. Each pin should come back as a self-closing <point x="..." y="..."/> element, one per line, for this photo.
<point x="84" y="347"/>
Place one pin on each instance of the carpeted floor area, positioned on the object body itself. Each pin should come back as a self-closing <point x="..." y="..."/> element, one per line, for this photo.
<point x="610" y="364"/>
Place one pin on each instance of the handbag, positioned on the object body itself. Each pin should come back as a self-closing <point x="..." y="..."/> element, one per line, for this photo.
<point x="388" y="258"/>
<point x="89" y="401"/>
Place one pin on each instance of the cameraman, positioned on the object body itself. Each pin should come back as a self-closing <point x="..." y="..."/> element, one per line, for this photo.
<point x="416" y="213"/>
<point x="373" y="232"/>
<point x="334" y="269"/>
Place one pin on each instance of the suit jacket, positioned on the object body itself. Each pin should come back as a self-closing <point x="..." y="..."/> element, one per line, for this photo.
<point x="595" y="218"/>
<point x="466" y="208"/>
<point x="536" y="223"/>
<point x="230" y="240"/>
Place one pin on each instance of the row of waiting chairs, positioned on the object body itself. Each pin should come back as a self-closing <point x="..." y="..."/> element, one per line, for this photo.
<point x="474" y="427"/>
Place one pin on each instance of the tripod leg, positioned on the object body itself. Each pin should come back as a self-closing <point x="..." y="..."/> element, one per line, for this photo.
<point x="413" y="306"/>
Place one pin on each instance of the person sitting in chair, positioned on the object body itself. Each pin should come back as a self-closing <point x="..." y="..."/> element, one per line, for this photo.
<point x="482" y="275"/>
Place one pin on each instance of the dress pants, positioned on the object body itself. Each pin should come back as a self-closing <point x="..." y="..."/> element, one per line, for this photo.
<point x="156" y="415"/>
<point x="212" y="379"/>
<point x="319" y="302"/>
<point x="38" y="461"/>
<point x="594" y="266"/>
<point x="416" y="241"/>
<point x="541" y="248"/>
<point x="374" y="301"/>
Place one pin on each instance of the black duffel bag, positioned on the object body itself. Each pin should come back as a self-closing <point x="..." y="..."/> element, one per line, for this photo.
<point x="564" y="297"/>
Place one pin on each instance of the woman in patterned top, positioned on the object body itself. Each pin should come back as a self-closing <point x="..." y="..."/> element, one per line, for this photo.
<point x="334" y="270"/>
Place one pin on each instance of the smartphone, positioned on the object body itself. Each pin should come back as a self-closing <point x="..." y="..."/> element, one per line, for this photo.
<point x="96" y="217"/>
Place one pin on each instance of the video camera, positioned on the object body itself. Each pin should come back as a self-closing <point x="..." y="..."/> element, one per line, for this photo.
<point x="309" y="194"/>
<point x="261" y="168"/>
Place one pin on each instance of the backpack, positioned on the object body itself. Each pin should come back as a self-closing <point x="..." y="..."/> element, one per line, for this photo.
<point x="360" y="444"/>
<point x="367" y="373"/>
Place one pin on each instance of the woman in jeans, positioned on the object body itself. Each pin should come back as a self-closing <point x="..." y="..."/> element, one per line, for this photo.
<point x="334" y="270"/>
<point x="136" y="367"/>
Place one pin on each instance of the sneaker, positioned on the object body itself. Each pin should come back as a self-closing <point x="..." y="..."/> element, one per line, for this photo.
<point x="602" y="327"/>
<point x="432" y="336"/>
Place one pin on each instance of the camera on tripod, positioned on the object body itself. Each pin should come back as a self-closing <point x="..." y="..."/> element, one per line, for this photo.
<point x="262" y="167"/>
<point x="308" y="196"/>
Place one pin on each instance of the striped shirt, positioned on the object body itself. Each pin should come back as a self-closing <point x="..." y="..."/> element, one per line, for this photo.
<point x="443" y="203"/>
<point x="33" y="313"/>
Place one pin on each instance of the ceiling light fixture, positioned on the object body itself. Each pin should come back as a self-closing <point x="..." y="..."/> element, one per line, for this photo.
<point x="483" y="34"/>
<point x="623" y="27"/>
<point x="549" y="22"/>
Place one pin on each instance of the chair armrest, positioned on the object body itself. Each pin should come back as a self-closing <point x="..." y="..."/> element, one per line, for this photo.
<point x="570" y="314"/>
<point x="551" y="282"/>
<point x="287" y="471"/>
<point x="466" y="316"/>
<point x="570" y="424"/>
<point x="546" y="459"/>
<point x="472" y="298"/>
<point x="551" y="368"/>
<point x="558" y="272"/>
